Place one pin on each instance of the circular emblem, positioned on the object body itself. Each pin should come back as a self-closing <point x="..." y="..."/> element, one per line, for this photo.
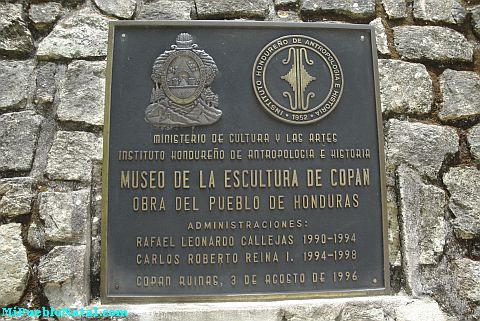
<point x="297" y="79"/>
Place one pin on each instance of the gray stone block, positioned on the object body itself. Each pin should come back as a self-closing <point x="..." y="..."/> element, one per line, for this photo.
<point x="44" y="15"/>
<point x="463" y="183"/>
<point x="439" y="44"/>
<point x="72" y="3"/>
<point x="473" y="138"/>
<point x="18" y="139"/>
<point x="404" y="87"/>
<point x="166" y="10"/>
<point x="354" y="313"/>
<point x="380" y="36"/>
<point x="15" y="38"/>
<point x="96" y="256"/>
<point x="461" y="94"/>
<point x="395" y="9"/>
<point x="232" y="9"/>
<point x="82" y="93"/>
<point x="118" y="8"/>
<point x="394" y="246"/>
<point x="449" y="11"/>
<point x="96" y="202"/>
<point x="476" y="19"/>
<point x="63" y="272"/>
<point x="15" y="196"/>
<point x="424" y="228"/>
<point x="81" y="34"/>
<point x="15" y="80"/>
<point x="467" y="273"/>
<point x="279" y="4"/>
<point x="46" y="87"/>
<point x="422" y="146"/>
<point x="356" y="9"/>
<point x="13" y="265"/>
<point x="71" y="155"/>
<point x="65" y="215"/>
<point x="36" y="236"/>
<point x="427" y="310"/>
<point x="339" y="309"/>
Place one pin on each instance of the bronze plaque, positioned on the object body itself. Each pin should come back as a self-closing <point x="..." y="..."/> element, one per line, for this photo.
<point x="242" y="160"/>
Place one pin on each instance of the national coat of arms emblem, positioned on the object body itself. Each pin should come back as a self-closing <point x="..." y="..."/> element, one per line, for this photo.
<point x="182" y="96"/>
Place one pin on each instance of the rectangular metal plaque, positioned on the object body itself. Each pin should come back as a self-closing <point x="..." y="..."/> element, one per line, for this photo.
<point x="242" y="160"/>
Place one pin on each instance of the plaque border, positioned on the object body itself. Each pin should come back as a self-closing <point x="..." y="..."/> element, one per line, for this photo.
<point x="105" y="298"/>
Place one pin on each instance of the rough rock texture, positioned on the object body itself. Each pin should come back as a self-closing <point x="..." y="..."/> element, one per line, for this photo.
<point x="15" y="38"/>
<point x="380" y="35"/>
<point x="340" y="309"/>
<point x="14" y="83"/>
<point x="15" y="196"/>
<point x="461" y="94"/>
<point x="166" y="10"/>
<point x="432" y="43"/>
<point x="281" y="4"/>
<point x="463" y="183"/>
<point x="43" y="15"/>
<point x="13" y="265"/>
<point x="468" y="274"/>
<point x="231" y="9"/>
<point x="78" y="35"/>
<point x="96" y="217"/>
<point x="352" y="313"/>
<point x="352" y="8"/>
<point x="395" y="9"/>
<point x="287" y="16"/>
<point x="476" y="19"/>
<point x="64" y="276"/>
<point x="24" y="318"/>
<point x="118" y="8"/>
<point x="422" y="146"/>
<point x="423" y="224"/>
<point x="95" y="257"/>
<point x="65" y="216"/>
<point x="18" y="137"/>
<point x="71" y="155"/>
<point x="36" y="236"/>
<point x="394" y="247"/>
<point x="46" y="88"/>
<point x="420" y="310"/>
<point x="404" y="87"/>
<point x="72" y="3"/>
<point x="449" y="11"/>
<point x="473" y="138"/>
<point x="82" y="93"/>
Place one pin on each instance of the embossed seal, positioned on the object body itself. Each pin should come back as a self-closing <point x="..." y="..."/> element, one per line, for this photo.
<point x="297" y="79"/>
<point x="182" y="96"/>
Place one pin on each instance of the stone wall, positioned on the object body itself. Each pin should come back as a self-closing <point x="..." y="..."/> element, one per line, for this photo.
<point x="52" y="83"/>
